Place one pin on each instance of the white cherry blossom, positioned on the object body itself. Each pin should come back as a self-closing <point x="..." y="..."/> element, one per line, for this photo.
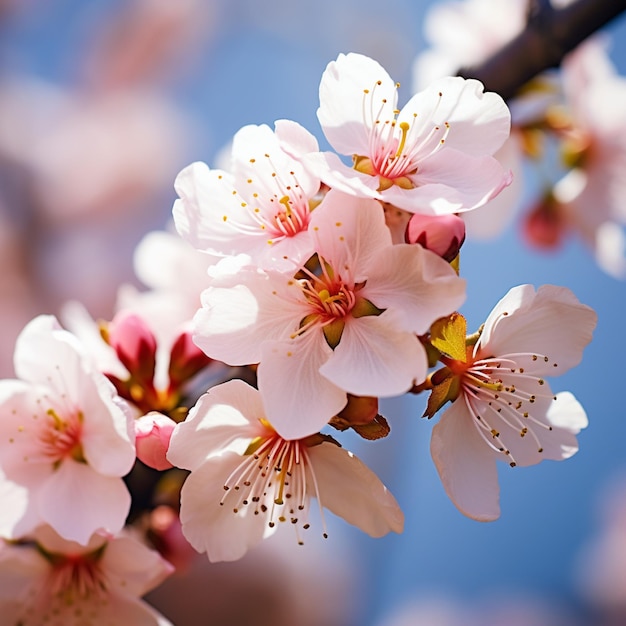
<point x="246" y="479"/>
<point x="262" y="208"/>
<point x="349" y="328"/>
<point x="46" y="579"/>
<point x="505" y="409"/>
<point x="66" y="440"/>
<point x="432" y="156"/>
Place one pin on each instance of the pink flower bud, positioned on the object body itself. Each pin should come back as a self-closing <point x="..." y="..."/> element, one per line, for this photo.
<point x="544" y="226"/>
<point x="442" y="234"/>
<point x="153" y="432"/>
<point x="186" y="360"/>
<point x="135" y="345"/>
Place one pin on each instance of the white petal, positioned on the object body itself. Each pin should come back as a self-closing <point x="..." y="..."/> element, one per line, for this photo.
<point x="259" y="158"/>
<point x="373" y="358"/>
<point x="350" y="232"/>
<point x="479" y="122"/>
<point x="549" y="322"/>
<point x="294" y="139"/>
<point x="211" y="528"/>
<point x="132" y="568"/>
<point x="298" y="400"/>
<point x="18" y="515"/>
<point x="207" y="208"/>
<point x="343" y="99"/>
<point x="415" y="284"/>
<point x="228" y="414"/>
<point x="76" y="502"/>
<point x="567" y="418"/>
<point x="236" y="319"/>
<point x="348" y="488"/>
<point x="108" y="433"/>
<point x="466" y="465"/>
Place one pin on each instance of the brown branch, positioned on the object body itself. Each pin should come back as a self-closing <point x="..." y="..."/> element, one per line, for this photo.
<point x="550" y="34"/>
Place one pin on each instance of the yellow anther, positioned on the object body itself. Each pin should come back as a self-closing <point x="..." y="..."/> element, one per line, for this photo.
<point x="285" y="201"/>
<point x="404" y="127"/>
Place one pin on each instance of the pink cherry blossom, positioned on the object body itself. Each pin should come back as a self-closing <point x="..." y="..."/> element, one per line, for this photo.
<point x="262" y="209"/>
<point x="505" y="409"/>
<point x="246" y="479"/>
<point x="432" y="156"/>
<point x="592" y="196"/>
<point x="49" y="580"/>
<point x="66" y="439"/>
<point x="350" y="328"/>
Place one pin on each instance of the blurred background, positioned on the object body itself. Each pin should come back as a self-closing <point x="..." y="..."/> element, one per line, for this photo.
<point x="101" y="104"/>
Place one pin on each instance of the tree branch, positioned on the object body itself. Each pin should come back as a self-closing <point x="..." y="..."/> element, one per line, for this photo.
<point x="550" y="34"/>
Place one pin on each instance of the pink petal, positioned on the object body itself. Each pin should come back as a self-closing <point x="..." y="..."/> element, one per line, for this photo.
<point x="298" y="400"/>
<point x="349" y="233"/>
<point x="479" y="122"/>
<point x="76" y="502"/>
<point x="373" y="358"/>
<point x="550" y="321"/>
<point x="414" y="284"/>
<point x="227" y="417"/>
<point x="359" y="497"/>
<point x="251" y="308"/>
<point x="132" y="568"/>
<point x="342" y="99"/>
<point x="466" y="465"/>
<point x="211" y="528"/>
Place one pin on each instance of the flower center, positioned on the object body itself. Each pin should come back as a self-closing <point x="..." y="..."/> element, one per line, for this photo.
<point x="60" y="438"/>
<point x="395" y="149"/>
<point x="504" y="400"/>
<point x="274" y="479"/>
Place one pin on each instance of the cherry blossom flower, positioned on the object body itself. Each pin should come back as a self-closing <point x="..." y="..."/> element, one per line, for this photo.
<point x="49" y="580"/>
<point x="505" y="409"/>
<point x="432" y="156"/>
<point x="591" y="197"/>
<point x="66" y="439"/>
<point x="262" y="209"/>
<point x="351" y="327"/>
<point x="246" y="479"/>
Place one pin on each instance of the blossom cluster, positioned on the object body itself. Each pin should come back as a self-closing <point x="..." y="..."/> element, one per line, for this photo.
<point x="300" y="288"/>
<point x="568" y="125"/>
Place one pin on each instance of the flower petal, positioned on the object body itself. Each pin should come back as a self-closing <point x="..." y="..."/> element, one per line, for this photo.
<point x="350" y="84"/>
<point x="550" y="322"/>
<point x="228" y="414"/>
<point x="76" y="502"/>
<point x="132" y="568"/>
<point x="466" y="465"/>
<point x="348" y="488"/>
<point x="349" y="233"/>
<point x="243" y="311"/>
<point x="373" y="358"/>
<point x="298" y="400"/>
<point x="211" y="528"/>
<point x="415" y="284"/>
<point x="479" y="122"/>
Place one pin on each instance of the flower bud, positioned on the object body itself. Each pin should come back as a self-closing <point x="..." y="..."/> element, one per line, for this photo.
<point x="186" y="360"/>
<point x="442" y="234"/>
<point x="135" y="344"/>
<point x="153" y="432"/>
<point x="544" y="225"/>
